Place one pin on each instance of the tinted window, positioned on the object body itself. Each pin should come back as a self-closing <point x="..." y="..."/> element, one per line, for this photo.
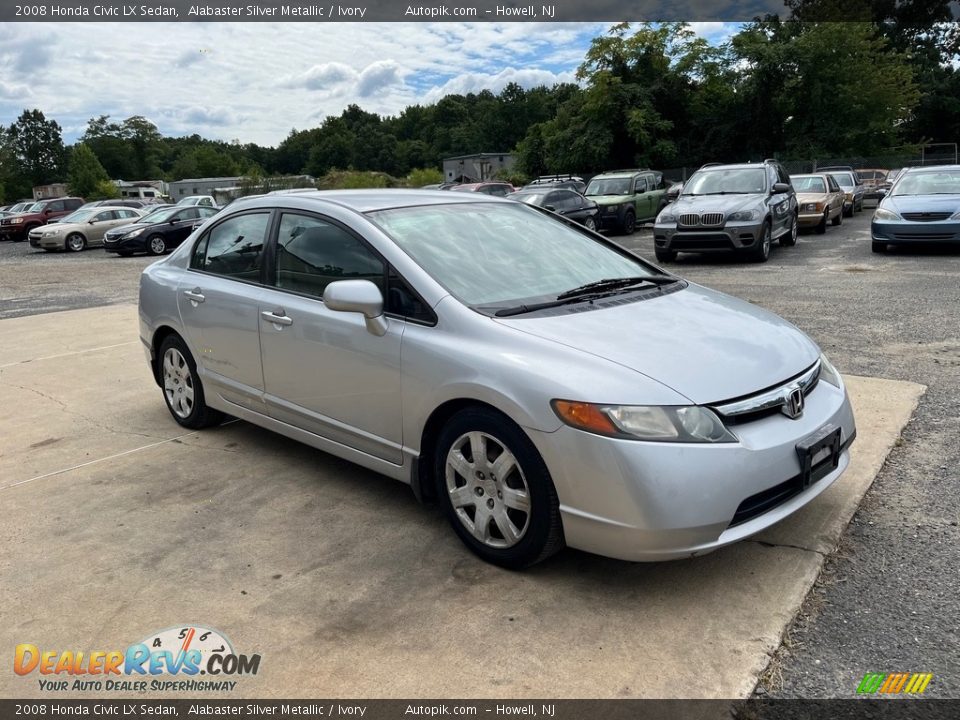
<point x="190" y="214"/>
<point x="312" y="253"/>
<point x="566" y="200"/>
<point x="233" y="248"/>
<point x="56" y="206"/>
<point x="105" y="215"/>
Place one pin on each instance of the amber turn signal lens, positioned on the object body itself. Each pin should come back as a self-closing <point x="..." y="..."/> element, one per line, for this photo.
<point x="585" y="417"/>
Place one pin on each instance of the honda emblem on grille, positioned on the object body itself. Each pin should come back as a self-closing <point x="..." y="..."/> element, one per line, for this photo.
<point x="792" y="403"/>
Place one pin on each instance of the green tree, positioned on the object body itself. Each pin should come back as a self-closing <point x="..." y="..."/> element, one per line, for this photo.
<point x="37" y="152"/>
<point x="87" y="176"/>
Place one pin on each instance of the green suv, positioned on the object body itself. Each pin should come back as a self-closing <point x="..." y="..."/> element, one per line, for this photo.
<point x="626" y="197"/>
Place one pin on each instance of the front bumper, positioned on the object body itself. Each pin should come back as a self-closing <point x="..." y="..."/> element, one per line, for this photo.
<point x="645" y="501"/>
<point x="134" y="244"/>
<point x="732" y="236"/>
<point x="810" y="219"/>
<point x="47" y="243"/>
<point x="12" y="232"/>
<point x="900" y="232"/>
<point x="610" y="217"/>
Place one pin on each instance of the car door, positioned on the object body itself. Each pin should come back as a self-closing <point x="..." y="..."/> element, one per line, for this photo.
<point x="219" y="302"/>
<point x="181" y="225"/>
<point x="836" y="195"/>
<point x="323" y="370"/>
<point x="567" y="205"/>
<point x="98" y="225"/>
<point x="779" y="202"/>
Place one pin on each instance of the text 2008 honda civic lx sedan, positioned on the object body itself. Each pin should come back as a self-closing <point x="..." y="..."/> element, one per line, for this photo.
<point x="546" y="386"/>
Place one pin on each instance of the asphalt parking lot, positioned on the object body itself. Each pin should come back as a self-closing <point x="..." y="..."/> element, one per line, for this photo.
<point x="119" y="523"/>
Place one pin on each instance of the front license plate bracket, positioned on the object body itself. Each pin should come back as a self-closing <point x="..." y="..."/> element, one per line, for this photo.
<point x="819" y="454"/>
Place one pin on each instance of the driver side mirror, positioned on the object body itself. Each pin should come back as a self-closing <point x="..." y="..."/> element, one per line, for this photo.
<point x="551" y="208"/>
<point x="780" y="188"/>
<point x="360" y="296"/>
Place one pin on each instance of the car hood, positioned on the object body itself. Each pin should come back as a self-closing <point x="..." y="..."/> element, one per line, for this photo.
<point x="610" y="199"/>
<point x="922" y="203"/>
<point x="715" y="203"/>
<point x="705" y="345"/>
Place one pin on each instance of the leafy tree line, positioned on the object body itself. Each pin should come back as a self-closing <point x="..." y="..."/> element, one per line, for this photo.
<point x="654" y="95"/>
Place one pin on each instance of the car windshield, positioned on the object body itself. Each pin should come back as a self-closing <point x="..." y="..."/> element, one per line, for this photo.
<point x="722" y="181"/>
<point x="609" y="186"/>
<point x="159" y="216"/>
<point x="81" y="215"/>
<point x="500" y="254"/>
<point x="808" y="184"/>
<point x="844" y="180"/>
<point x="946" y="182"/>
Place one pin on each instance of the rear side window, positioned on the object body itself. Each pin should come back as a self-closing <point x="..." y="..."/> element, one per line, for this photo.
<point x="55" y="206"/>
<point x="234" y="248"/>
<point x="312" y="253"/>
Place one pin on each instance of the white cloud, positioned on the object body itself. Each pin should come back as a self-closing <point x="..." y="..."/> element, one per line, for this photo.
<point x="255" y="81"/>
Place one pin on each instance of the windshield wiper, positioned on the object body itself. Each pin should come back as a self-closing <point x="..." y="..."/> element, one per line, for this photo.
<point x="616" y="284"/>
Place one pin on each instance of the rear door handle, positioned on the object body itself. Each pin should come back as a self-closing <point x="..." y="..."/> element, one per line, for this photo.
<point x="277" y="317"/>
<point x="195" y="295"/>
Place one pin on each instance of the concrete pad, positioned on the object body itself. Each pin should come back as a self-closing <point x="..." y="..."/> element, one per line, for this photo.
<point x="342" y="583"/>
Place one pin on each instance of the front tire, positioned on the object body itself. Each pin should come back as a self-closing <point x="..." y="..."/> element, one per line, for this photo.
<point x="496" y="490"/>
<point x="664" y="255"/>
<point x="75" y="242"/>
<point x="182" y="389"/>
<point x="156" y="245"/>
<point x="822" y="225"/>
<point x="590" y="224"/>
<point x="878" y="247"/>
<point x="629" y="223"/>
<point x="838" y="220"/>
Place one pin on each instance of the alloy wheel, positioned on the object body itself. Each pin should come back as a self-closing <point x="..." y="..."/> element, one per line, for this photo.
<point x="157" y="245"/>
<point x="75" y="243"/>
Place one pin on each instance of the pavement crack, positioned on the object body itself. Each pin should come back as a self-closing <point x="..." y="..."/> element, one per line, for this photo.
<point x="786" y="545"/>
<point x="94" y="421"/>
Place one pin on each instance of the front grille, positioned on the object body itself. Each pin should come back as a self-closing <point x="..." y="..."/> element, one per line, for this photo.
<point x="704" y="220"/>
<point x="926" y="217"/>
<point x="922" y="236"/>
<point x="765" y="402"/>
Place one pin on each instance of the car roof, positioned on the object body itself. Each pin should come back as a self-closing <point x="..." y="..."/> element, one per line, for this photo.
<point x="932" y="168"/>
<point x="364" y="201"/>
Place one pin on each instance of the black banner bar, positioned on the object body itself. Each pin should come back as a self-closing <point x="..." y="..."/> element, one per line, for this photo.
<point x="324" y="11"/>
<point x="853" y="709"/>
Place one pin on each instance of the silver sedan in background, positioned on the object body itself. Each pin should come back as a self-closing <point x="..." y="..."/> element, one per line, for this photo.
<point x="544" y="385"/>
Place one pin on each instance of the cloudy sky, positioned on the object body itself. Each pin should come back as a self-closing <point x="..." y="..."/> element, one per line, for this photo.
<point x="256" y="81"/>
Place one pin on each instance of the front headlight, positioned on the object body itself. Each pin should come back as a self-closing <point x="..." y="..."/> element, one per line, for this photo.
<point x="50" y="233"/>
<point x="828" y="373"/>
<point x="744" y="215"/>
<point x="684" y="424"/>
<point x="812" y="207"/>
<point x="884" y="214"/>
<point x="666" y="217"/>
<point x="17" y="221"/>
<point x="134" y="233"/>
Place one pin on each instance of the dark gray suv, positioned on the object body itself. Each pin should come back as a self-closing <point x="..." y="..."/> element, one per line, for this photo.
<point x="722" y="208"/>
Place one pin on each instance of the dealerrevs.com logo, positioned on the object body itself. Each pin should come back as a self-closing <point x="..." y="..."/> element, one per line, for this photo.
<point x="174" y="659"/>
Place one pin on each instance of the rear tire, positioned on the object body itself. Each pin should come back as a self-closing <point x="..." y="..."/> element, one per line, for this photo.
<point x="789" y="238"/>
<point x="878" y="247"/>
<point x="664" y="255"/>
<point x="496" y="490"/>
<point x="761" y="251"/>
<point x="181" y="386"/>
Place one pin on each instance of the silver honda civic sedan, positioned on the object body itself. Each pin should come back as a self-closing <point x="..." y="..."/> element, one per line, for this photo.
<point x="545" y="386"/>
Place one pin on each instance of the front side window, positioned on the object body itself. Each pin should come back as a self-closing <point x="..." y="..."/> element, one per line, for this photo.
<point x="312" y="253"/>
<point x="233" y="248"/>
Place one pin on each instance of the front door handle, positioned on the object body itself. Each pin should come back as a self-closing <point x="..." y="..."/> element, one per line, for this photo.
<point x="195" y="295"/>
<point x="277" y="317"/>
